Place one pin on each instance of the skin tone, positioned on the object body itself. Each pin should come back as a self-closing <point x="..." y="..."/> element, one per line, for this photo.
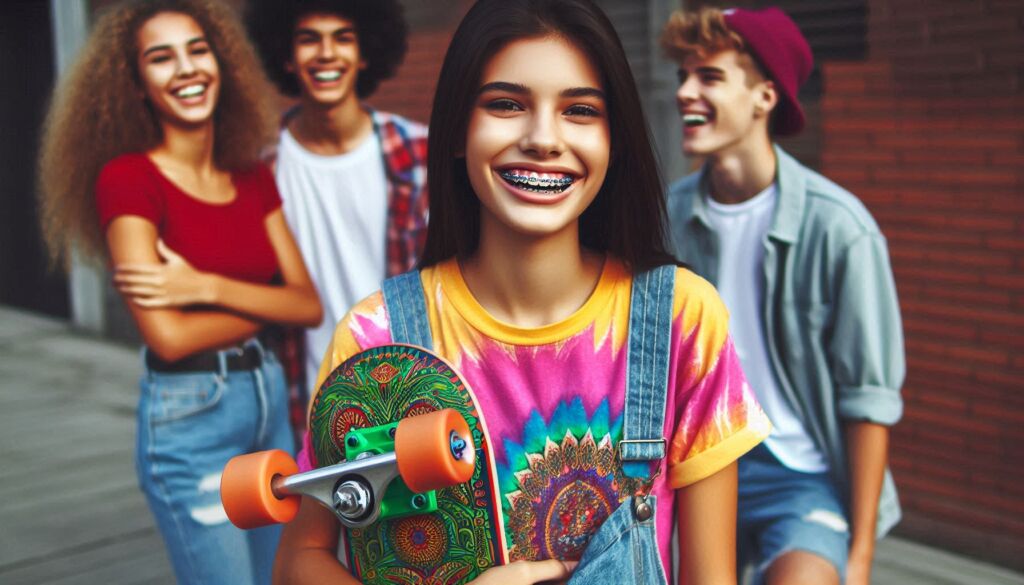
<point x="553" y="119"/>
<point x="728" y="102"/>
<point x="181" y="78"/>
<point x="735" y="101"/>
<point x="326" y="62"/>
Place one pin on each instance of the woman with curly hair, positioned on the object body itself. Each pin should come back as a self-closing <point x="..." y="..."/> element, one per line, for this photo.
<point x="353" y="179"/>
<point x="151" y="148"/>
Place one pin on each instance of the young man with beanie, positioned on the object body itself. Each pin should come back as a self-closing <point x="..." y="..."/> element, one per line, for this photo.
<point x="805" y="273"/>
<point x="353" y="180"/>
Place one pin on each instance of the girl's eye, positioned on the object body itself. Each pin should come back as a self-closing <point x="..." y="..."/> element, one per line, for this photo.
<point x="583" y="110"/>
<point x="159" y="58"/>
<point x="200" y="50"/>
<point x="503" y="105"/>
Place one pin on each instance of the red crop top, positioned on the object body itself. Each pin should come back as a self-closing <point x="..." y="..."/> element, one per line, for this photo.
<point x="229" y="239"/>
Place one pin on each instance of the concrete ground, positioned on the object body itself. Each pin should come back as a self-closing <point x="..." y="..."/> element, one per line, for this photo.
<point x="71" y="512"/>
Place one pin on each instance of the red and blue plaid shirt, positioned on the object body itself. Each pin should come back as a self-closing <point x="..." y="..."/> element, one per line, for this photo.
<point x="404" y="151"/>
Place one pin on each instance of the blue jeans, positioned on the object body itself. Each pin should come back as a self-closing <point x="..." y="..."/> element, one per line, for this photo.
<point x="782" y="510"/>
<point x="623" y="550"/>
<point x="190" y="425"/>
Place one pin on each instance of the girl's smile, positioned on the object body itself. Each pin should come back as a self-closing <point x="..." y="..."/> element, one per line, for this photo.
<point x="538" y="141"/>
<point x="177" y="67"/>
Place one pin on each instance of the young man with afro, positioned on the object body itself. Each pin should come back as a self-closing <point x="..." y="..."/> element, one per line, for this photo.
<point x="352" y="179"/>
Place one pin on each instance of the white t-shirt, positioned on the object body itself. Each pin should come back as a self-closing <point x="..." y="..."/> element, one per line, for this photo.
<point x="336" y="207"/>
<point x="742" y="229"/>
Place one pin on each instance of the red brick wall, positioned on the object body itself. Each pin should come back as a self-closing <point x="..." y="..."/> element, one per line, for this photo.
<point x="410" y="92"/>
<point x="928" y="132"/>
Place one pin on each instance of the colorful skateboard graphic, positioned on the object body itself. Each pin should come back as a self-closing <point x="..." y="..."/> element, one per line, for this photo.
<point x="460" y="537"/>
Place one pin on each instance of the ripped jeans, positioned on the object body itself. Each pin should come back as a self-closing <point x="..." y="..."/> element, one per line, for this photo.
<point x="189" y="426"/>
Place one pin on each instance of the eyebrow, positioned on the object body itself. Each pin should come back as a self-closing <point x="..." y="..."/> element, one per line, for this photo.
<point x="313" y="31"/>
<point x="520" y="89"/>
<point x="168" y="47"/>
<point x="708" y="69"/>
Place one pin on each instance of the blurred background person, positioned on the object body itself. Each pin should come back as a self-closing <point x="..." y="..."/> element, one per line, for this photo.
<point x="151" y="147"/>
<point x="804" y="270"/>
<point x="353" y="179"/>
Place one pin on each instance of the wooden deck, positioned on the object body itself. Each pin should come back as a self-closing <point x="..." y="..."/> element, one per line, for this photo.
<point x="71" y="512"/>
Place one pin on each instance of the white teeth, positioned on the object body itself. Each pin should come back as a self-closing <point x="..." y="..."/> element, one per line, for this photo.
<point x="191" y="90"/>
<point x="327" y="75"/>
<point x="694" y="119"/>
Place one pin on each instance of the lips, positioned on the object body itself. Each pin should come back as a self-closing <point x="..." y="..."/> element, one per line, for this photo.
<point x="537" y="182"/>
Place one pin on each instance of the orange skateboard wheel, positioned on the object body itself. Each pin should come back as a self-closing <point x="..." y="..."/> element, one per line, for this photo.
<point x="245" y="489"/>
<point x="434" y="450"/>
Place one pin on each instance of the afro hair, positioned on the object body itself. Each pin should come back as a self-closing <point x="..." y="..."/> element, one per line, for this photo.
<point x="380" y="27"/>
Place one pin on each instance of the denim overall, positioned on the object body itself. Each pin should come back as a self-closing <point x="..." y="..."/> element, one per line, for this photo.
<point x="624" y="549"/>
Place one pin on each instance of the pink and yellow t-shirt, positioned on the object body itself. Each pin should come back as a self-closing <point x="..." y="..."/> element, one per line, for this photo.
<point x="556" y="394"/>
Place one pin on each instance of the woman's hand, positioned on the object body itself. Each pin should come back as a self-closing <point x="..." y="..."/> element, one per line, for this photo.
<point x="174" y="283"/>
<point x="527" y="572"/>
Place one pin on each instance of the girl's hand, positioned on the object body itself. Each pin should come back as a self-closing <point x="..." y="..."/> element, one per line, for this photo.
<point x="527" y="572"/>
<point x="175" y="283"/>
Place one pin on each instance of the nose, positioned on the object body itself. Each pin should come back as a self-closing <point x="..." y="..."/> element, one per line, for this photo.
<point x="687" y="91"/>
<point x="326" y="52"/>
<point x="185" y="65"/>
<point x="542" y="136"/>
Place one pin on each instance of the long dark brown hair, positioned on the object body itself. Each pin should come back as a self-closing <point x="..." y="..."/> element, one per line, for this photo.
<point x="97" y="114"/>
<point x="626" y="219"/>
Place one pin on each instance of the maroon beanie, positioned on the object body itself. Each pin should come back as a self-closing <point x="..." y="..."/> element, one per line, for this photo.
<point x="777" y="44"/>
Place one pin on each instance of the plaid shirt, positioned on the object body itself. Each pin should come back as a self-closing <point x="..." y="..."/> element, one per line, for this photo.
<point x="404" y="152"/>
<point x="404" y="148"/>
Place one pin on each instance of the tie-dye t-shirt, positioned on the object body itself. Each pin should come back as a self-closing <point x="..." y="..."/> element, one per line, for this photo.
<point x="551" y="390"/>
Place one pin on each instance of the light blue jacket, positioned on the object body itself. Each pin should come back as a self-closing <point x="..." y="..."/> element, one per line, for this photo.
<point x="831" y="317"/>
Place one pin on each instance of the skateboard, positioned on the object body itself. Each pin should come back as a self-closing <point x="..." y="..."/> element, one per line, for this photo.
<point x="404" y="463"/>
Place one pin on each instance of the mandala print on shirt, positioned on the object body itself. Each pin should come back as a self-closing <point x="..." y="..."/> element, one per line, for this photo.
<point x="562" y="483"/>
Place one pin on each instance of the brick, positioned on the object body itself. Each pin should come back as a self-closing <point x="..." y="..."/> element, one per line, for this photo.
<point x="968" y="295"/>
<point x="1014" y="339"/>
<point x="927" y="326"/>
<point x="1008" y="281"/>
<point x="910" y="235"/>
<point x="981" y="354"/>
<point x="973" y="258"/>
<point x="1007" y="380"/>
<point x="948" y="275"/>
<point x="1014" y="418"/>
<point x="966" y="157"/>
<point x="899" y="141"/>
<point x="1007" y="158"/>
<point x="937" y="366"/>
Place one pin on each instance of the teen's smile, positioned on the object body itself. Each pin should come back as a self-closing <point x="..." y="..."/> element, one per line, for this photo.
<point x="537" y="184"/>
<point x="178" y="70"/>
<point x="538" y="142"/>
<point x="326" y="58"/>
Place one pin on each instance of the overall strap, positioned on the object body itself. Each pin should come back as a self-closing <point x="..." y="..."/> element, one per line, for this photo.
<point x="407" y="310"/>
<point x="650" y="336"/>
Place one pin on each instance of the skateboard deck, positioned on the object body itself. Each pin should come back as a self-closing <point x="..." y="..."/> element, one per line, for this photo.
<point x="459" y="540"/>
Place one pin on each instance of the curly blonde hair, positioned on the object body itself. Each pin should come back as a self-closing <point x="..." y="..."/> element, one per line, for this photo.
<point x="98" y="113"/>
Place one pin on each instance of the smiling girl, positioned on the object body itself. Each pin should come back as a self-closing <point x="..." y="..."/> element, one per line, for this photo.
<point x="542" y="280"/>
<point x="152" y="146"/>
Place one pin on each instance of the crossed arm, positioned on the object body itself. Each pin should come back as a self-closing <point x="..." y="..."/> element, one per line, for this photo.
<point x="180" y="310"/>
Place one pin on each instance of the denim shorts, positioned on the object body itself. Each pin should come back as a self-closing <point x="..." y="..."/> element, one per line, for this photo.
<point x="782" y="510"/>
<point x="189" y="425"/>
